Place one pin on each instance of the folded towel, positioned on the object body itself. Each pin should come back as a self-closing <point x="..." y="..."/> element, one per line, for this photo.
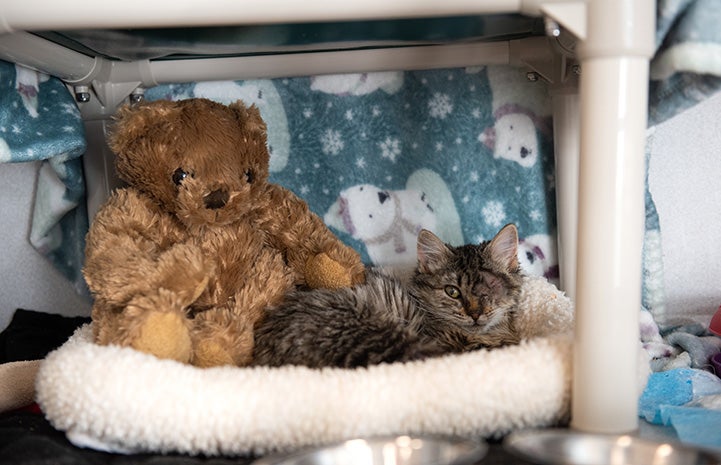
<point x="17" y="384"/>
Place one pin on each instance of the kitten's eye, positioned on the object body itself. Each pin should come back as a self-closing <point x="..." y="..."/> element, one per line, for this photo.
<point x="179" y="175"/>
<point x="453" y="292"/>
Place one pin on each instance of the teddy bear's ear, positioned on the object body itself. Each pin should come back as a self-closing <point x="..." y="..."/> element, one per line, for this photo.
<point x="249" y="117"/>
<point x="132" y="123"/>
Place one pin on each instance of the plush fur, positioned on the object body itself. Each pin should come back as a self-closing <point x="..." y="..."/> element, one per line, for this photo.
<point x="182" y="262"/>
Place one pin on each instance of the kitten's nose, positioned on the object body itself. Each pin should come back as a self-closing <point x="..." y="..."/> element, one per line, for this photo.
<point x="473" y="310"/>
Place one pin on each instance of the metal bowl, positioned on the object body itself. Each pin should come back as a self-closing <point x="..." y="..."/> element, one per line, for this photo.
<point x="564" y="447"/>
<point x="394" y="450"/>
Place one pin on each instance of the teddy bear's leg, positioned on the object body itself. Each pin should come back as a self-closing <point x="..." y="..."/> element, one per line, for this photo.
<point x="155" y="324"/>
<point x="225" y="336"/>
<point x="321" y="271"/>
<point x="222" y="338"/>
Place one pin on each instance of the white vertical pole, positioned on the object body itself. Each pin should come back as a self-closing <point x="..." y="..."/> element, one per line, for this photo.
<point x="566" y="142"/>
<point x="614" y="85"/>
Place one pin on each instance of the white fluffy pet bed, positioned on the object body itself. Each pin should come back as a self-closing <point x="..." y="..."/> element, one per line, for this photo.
<point x="120" y="400"/>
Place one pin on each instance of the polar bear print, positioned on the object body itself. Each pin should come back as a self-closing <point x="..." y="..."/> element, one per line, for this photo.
<point x="513" y="137"/>
<point x="537" y="255"/>
<point x="388" y="221"/>
<point x="358" y="84"/>
<point x="521" y="113"/>
<point x="27" y="84"/>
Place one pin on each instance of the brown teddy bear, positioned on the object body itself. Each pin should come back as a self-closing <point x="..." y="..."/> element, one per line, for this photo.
<point x="182" y="262"/>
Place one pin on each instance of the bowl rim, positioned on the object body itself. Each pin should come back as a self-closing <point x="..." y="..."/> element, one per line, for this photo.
<point x="477" y="448"/>
<point x="513" y="443"/>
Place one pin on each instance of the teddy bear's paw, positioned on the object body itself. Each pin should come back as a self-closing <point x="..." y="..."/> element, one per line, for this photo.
<point x="185" y="272"/>
<point x="211" y="354"/>
<point x="165" y="335"/>
<point x="323" y="271"/>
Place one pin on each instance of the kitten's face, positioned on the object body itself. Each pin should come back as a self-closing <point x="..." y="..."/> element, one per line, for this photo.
<point x="473" y="287"/>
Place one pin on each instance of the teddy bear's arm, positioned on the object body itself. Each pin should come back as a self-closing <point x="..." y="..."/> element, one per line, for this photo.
<point x="133" y="248"/>
<point x="303" y="236"/>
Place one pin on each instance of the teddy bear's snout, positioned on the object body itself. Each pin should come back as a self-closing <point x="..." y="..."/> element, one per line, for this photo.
<point x="216" y="199"/>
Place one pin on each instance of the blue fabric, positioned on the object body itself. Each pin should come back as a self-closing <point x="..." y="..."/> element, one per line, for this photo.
<point x="678" y="398"/>
<point x="694" y="425"/>
<point x="685" y="69"/>
<point x="40" y="121"/>
<point x="674" y="388"/>
<point x="380" y="155"/>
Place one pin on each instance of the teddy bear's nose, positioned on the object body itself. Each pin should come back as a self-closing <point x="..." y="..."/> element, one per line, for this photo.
<point x="216" y="199"/>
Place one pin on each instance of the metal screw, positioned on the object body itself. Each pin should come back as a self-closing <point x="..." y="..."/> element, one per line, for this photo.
<point x="82" y="94"/>
<point x="532" y="76"/>
<point x="552" y="27"/>
<point x="137" y="96"/>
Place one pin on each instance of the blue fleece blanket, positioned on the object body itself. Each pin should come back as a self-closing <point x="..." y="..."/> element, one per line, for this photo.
<point x="685" y="70"/>
<point x="40" y="121"/>
<point x="381" y="155"/>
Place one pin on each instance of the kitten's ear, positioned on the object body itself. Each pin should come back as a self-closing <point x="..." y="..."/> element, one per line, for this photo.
<point x="504" y="247"/>
<point x="433" y="254"/>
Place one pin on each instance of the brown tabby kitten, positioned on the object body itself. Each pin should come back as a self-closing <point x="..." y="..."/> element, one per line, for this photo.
<point x="459" y="299"/>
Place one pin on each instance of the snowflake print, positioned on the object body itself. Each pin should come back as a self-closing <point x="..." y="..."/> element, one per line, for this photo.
<point x="494" y="213"/>
<point x="332" y="142"/>
<point x="476" y="113"/>
<point x="349" y="115"/>
<point x="440" y="105"/>
<point x="376" y="111"/>
<point x="474" y="176"/>
<point x="360" y="163"/>
<point x="390" y="148"/>
<point x="70" y="109"/>
<point x="307" y="113"/>
<point x="304" y="190"/>
<point x="535" y="215"/>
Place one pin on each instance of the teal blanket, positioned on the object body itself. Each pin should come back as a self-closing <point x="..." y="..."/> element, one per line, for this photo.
<point x="40" y="121"/>
<point x="379" y="156"/>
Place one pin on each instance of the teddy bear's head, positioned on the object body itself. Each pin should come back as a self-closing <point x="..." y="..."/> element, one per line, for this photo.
<point x="203" y="161"/>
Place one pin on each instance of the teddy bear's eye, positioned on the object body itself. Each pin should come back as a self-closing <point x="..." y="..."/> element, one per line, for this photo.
<point x="249" y="176"/>
<point x="179" y="175"/>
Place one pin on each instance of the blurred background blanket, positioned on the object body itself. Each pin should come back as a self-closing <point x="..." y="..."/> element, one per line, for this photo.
<point x="39" y="121"/>
<point x="685" y="70"/>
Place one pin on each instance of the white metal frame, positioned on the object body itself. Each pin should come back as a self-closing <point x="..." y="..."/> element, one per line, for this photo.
<point x="599" y="131"/>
